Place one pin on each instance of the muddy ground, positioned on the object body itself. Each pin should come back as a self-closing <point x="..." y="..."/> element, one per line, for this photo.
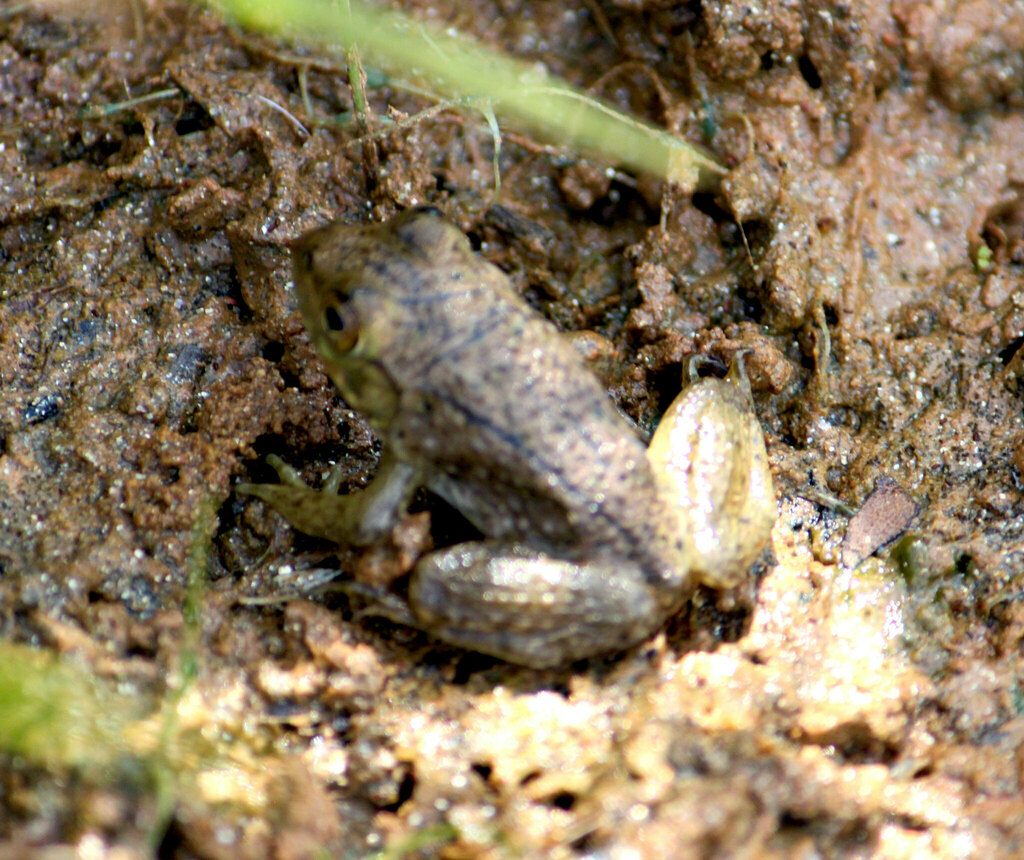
<point x="840" y="705"/>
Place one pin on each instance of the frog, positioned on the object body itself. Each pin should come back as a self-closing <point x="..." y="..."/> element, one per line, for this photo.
<point x="590" y="540"/>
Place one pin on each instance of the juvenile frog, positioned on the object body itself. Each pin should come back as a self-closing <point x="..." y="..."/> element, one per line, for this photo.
<point x="590" y="540"/>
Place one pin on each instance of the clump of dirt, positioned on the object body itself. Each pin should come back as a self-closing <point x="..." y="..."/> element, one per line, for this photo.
<point x="866" y="249"/>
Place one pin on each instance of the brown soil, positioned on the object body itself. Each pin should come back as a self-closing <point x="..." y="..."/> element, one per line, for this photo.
<point x="150" y="357"/>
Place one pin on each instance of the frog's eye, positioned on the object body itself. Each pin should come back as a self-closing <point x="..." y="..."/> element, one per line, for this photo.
<point x="334" y="320"/>
<point x="341" y="320"/>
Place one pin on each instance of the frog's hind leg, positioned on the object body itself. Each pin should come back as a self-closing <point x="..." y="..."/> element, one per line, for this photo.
<point x="528" y="608"/>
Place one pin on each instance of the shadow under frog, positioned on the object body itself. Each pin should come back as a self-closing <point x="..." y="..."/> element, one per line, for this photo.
<point x="591" y="540"/>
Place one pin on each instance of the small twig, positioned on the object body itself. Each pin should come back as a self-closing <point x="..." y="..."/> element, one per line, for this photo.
<point x="601" y="20"/>
<point x="100" y="111"/>
<point x="360" y="104"/>
<point x="280" y="109"/>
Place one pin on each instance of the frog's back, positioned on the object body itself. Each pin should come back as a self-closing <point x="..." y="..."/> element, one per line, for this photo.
<point x="522" y="436"/>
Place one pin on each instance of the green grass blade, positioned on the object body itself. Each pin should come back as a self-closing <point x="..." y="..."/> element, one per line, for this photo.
<point x="456" y="67"/>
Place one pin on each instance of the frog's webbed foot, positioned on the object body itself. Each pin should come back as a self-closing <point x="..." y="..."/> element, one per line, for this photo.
<point x="361" y="518"/>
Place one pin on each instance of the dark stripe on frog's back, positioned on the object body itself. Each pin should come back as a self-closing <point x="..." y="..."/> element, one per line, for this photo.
<point x="456" y="339"/>
<point x="437" y="307"/>
<point x="410" y="282"/>
<point x="475" y="335"/>
<point x="445" y="314"/>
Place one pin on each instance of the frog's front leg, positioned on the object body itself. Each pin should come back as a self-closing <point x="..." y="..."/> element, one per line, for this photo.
<point x="361" y="518"/>
<point x="518" y="604"/>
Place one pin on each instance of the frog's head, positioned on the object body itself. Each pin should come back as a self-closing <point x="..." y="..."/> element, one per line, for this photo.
<point x="364" y="292"/>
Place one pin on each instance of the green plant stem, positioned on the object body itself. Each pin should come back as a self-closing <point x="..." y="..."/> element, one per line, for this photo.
<point x="456" y="67"/>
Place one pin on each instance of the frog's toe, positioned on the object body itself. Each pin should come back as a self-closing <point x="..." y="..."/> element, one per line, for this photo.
<point x="290" y="480"/>
<point x="286" y="474"/>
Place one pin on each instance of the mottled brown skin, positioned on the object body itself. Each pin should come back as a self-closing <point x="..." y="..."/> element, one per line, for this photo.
<point x="480" y="399"/>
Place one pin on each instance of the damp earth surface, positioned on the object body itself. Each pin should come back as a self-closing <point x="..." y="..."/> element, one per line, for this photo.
<point x="189" y="695"/>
